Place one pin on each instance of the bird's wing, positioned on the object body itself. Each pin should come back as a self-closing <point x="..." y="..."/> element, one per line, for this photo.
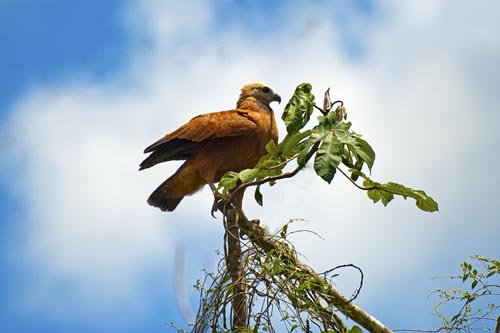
<point x="187" y="139"/>
<point x="210" y="125"/>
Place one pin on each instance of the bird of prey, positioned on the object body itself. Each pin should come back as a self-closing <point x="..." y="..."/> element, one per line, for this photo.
<point x="214" y="143"/>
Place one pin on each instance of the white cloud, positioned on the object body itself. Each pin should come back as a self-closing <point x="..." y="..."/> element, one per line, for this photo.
<point x="412" y="95"/>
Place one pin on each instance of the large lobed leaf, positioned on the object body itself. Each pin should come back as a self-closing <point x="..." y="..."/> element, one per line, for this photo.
<point x="299" y="109"/>
<point x="328" y="157"/>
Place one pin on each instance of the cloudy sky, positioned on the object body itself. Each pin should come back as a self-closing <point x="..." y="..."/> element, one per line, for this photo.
<point x="86" y="85"/>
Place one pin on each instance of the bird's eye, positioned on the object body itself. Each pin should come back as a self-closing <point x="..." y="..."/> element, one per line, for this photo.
<point x="266" y="90"/>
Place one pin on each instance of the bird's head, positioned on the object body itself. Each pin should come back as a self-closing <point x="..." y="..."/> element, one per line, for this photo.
<point x="261" y="92"/>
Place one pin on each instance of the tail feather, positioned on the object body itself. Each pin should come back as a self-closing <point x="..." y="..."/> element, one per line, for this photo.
<point x="165" y="204"/>
<point x="159" y="198"/>
<point x="169" y="194"/>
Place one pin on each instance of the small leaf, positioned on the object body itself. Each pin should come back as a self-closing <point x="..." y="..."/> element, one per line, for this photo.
<point x="355" y="329"/>
<point x="272" y="148"/>
<point x="248" y="175"/>
<point x="474" y="284"/>
<point x="293" y="300"/>
<point x="368" y="182"/>
<point x="228" y="181"/>
<point x="284" y="231"/>
<point x="258" y="195"/>
<point x="277" y="267"/>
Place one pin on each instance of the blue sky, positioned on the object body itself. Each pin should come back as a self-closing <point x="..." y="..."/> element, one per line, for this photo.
<point x="43" y="41"/>
<point x="85" y="86"/>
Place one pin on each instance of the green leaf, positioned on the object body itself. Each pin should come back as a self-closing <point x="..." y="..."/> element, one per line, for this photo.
<point x="423" y="201"/>
<point x="380" y="195"/>
<point x="248" y="175"/>
<point x="474" y="284"/>
<point x="365" y="151"/>
<point x="228" y="181"/>
<point x="272" y="148"/>
<point x="343" y="134"/>
<point x="284" y="231"/>
<point x="318" y="133"/>
<point x="299" y="109"/>
<point x="347" y="157"/>
<point x="355" y="329"/>
<point x="277" y="267"/>
<point x="386" y="192"/>
<point x="358" y="173"/>
<point x="290" y="145"/>
<point x="358" y="166"/>
<point x="258" y="195"/>
<point x="305" y="148"/>
<point x="426" y="203"/>
<point x="328" y="158"/>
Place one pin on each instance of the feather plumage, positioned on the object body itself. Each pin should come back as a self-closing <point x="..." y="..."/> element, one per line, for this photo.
<point x="214" y="143"/>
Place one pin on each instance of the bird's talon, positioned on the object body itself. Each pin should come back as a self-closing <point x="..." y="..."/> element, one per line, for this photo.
<point x="212" y="212"/>
<point x="218" y="204"/>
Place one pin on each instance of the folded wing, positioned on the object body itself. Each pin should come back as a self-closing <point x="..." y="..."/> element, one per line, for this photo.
<point x="192" y="136"/>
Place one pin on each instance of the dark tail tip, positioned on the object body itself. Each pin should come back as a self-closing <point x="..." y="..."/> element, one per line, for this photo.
<point x="165" y="204"/>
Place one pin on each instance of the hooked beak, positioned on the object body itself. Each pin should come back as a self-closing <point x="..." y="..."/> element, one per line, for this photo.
<point x="277" y="98"/>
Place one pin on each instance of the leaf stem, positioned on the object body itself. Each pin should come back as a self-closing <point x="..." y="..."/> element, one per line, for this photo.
<point x="282" y="163"/>
<point x="325" y="112"/>
<point x="354" y="183"/>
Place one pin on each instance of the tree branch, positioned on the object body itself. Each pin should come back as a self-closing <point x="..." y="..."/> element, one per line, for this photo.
<point x="234" y="263"/>
<point x="326" y="290"/>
